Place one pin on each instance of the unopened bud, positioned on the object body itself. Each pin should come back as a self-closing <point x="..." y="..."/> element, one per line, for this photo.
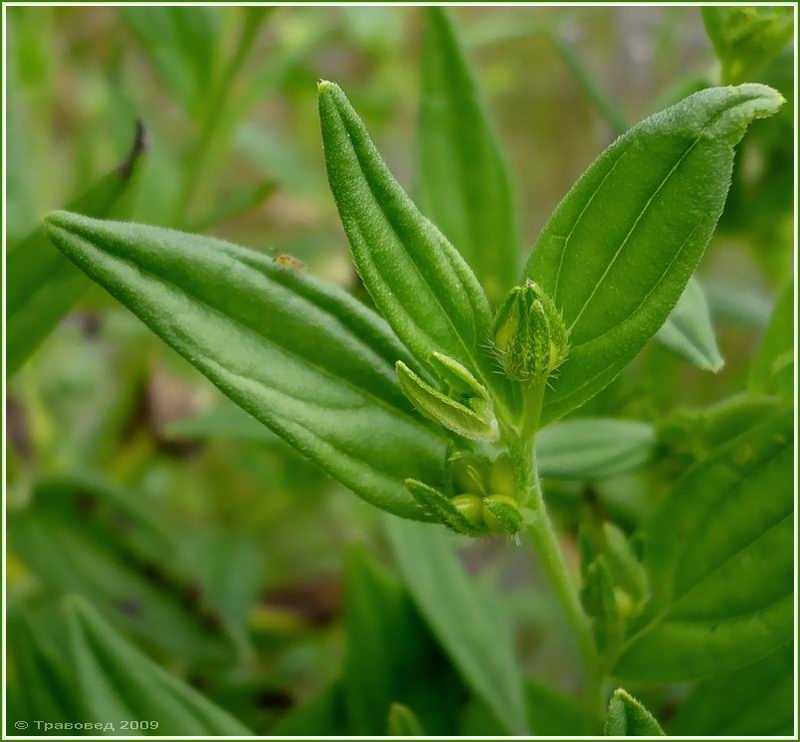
<point x="530" y="334"/>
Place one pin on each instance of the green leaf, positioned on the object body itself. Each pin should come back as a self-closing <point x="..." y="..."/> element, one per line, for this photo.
<point x="468" y="622"/>
<point x="688" y="331"/>
<point x="324" y="714"/>
<point x="390" y="653"/>
<point x="417" y="279"/>
<point x="745" y="38"/>
<point x="117" y="682"/>
<point x="627" y="717"/>
<point x="42" y="284"/>
<point x="402" y="722"/>
<point x="463" y="184"/>
<point x="307" y="360"/>
<point x="619" y="250"/>
<point x="754" y="700"/>
<point x="719" y="558"/>
<point x="593" y="448"/>
<point x="82" y="534"/>
<point x="772" y="371"/>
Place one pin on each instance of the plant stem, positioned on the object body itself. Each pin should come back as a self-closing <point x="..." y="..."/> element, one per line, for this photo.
<point x="521" y="449"/>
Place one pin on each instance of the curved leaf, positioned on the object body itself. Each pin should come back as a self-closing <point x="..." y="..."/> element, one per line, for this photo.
<point x="618" y="251"/>
<point x="306" y="359"/>
<point x="688" y="331"/>
<point x="418" y="280"/>
<point x="467" y="622"/>
<point x="463" y="183"/>
<point x="117" y="682"/>
<point x="719" y="558"/>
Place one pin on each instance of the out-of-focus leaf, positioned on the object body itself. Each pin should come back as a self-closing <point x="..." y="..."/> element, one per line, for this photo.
<point x="737" y="304"/>
<point x="391" y="655"/>
<point x="756" y="700"/>
<point x="688" y="330"/>
<point x="697" y="433"/>
<point x="719" y="557"/>
<point x="745" y="38"/>
<point x="772" y="371"/>
<point x="306" y="359"/>
<point x="593" y="448"/>
<point x="325" y="714"/>
<point x="83" y="534"/>
<point x="40" y="682"/>
<point x="551" y="713"/>
<point x="584" y="77"/>
<point x="628" y="717"/>
<point x="617" y="253"/>
<point x="235" y="204"/>
<point x="463" y="183"/>
<point x="42" y="284"/>
<point x="182" y="45"/>
<point x="402" y="722"/>
<point x="117" y="682"/>
<point x="467" y="622"/>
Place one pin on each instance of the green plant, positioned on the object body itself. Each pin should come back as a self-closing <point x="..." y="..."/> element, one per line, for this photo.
<point x="445" y="405"/>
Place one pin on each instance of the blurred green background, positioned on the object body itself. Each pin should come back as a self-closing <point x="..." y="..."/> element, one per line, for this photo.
<point x="209" y="544"/>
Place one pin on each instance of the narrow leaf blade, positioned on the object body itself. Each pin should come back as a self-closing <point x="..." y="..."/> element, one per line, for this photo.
<point x="463" y="183"/>
<point x="466" y="621"/>
<point x="628" y="717"/>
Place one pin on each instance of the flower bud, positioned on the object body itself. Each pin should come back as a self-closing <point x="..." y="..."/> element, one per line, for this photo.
<point x="530" y="336"/>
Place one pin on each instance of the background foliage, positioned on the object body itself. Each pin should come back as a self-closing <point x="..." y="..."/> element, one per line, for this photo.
<point x="242" y="587"/>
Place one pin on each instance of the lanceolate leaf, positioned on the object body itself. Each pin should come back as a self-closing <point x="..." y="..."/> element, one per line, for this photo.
<point x="42" y="283"/>
<point x="467" y="622"/>
<point x="304" y="358"/>
<point x="628" y="717"/>
<point x="463" y="184"/>
<point x="719" y="557"/>
<point x="418" y="280"/>
<point x="755" y="700"/>
<point x="593" y="448"/>
<point x="688" y="330"/>
<point x="117" y="682"/>
<point x="773" y="367"/>
<point x="620" y="248"/>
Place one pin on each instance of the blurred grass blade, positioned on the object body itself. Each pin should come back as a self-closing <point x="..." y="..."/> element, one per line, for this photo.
<point x="391" y="655"/>
<point x="42" y="284"/>
<point x="628" y="717"/>
<point x="688" y="331"/>
<point x="468" y="622"/>
<point x="82" y="534"/>
<point x="618" y="251"/>
<point x="754" y="700"/>
<point x="607" y="107"/>
<point x="719" y="557"/>
<point x="593" y="448"/>
<point x="182" y="44"/>
<point x="746" y="38"/>
<point x="325" y="713"/>
<point x="772" y="371"/>
<point x="306" y="359"/>
<point x="402" y="722"/>
<point x="418" y="280"/>
<point x="235" y="204"/>
<point x="117" y="682"/>
<point x="463" y="184"/>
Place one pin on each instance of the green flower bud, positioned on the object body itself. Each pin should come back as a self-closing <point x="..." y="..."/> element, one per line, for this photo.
<point x="470" y="506"/>
<point x="530" y="335"/>
<point x="501" y="514"/>
<point x="468" y="472"/>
